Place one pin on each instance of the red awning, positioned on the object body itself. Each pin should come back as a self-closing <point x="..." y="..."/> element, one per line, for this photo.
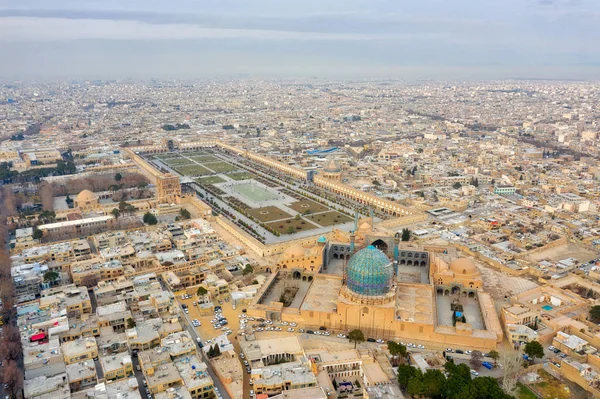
<point x="37" y="337"/>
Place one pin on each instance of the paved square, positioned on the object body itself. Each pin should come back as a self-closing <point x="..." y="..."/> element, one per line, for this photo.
<point x="253" y="192"/>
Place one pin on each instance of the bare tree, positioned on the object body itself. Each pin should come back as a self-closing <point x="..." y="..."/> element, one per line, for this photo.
<point x="47" y="196"/>
<point x="511" y="363"/>
<point x="12" y="376"/>
<point x="9" y="205"/>
<point x="475" y="360"/>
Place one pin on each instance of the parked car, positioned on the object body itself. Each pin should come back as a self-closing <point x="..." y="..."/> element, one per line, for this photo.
<point x="475" y="373"/>
<point x="371" y="340"/>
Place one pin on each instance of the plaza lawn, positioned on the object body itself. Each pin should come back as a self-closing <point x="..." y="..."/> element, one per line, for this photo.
<point x="193" y="170"/>
<point x="220" y="167"/>
<point x="298" y="225"/>
<point x="329" y="218"/>
<point x="241" y="176"/>
<point x="268" y="214"/>
<point x="210" y="180"/>
<point x="253" y="192"/>
<point x="204" y="158"/>
<point x="178" y="162"/>
<point x="307" y="205"/>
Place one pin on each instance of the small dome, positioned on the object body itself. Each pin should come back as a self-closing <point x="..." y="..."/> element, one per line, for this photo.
<point x="322" y="239"/>
<point x="463" y="266"/>
<point x="332" y="166"/>
<point x="370" y="272"/>
<point x="86" y="196"/>
<point x="294" y="251"/>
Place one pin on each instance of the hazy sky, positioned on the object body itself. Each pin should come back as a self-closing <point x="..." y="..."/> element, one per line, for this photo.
<point x="438" y="39"/>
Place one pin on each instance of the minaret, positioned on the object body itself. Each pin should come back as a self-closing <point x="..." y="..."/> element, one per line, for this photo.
<point x="396" y="252"/>
<point x="355" y="220"/>
<point x="352" y="236"/>
<point x="372" y="214"/>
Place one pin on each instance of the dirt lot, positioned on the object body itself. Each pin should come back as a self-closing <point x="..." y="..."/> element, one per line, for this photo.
<point x="569" y="250"/>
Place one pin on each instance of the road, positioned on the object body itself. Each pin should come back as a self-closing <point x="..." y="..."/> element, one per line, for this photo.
<point x="195" y="334"/>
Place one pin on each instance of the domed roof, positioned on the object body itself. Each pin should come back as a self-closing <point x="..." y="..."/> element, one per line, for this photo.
<point x="294" y="251"/>
<point x="322" y="239"/>
<point x="332" y="166"/>
<point x="370" y="272"/>
<point x="86" y="196"/>
<point x="463" y="266"/>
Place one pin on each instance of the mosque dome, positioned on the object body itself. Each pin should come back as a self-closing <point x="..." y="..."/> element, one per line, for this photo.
<point x="463" y="266"/>
<point x="86" y="196"/>
<point x="294" y="251"/>
<point x="332" y="166"/>
<point x="370" y="272"/>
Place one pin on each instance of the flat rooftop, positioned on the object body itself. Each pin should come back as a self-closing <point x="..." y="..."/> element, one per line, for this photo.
<point x="256" y="350"/>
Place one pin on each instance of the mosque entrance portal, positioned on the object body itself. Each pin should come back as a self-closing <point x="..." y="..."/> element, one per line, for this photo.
<point x="380" y="245"/>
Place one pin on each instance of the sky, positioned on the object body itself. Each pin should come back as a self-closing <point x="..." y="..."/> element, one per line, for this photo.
<point x="375" y="39"/>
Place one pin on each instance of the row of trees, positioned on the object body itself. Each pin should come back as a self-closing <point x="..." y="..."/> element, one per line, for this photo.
<point x="455" y="383"/>
<point x="10" y="340"/>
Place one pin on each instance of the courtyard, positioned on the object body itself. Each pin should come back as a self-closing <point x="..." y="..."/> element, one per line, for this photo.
<point x="471" y="311"/>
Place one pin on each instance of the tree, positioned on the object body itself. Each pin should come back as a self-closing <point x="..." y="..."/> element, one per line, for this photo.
<point x="396" y="349"/>
<point x="494" y="355"/>
<point x="201" y="291"/>
<point x="290" y="230"/>
<point x="511" y="364"/>
<point x="115" y="212"/>
<point x="434" y="382"/>
<point x="37" y="233"/>
<point x="47" y="196"/>
<point x="456" y="185"/>
<point x="149" y="218"/>
<point x="595" y="314"/>
<point x="118" y="177"/>
<point x="185" y="214"/>
<point x="534" y="349"/>
<point x="51" y="276"/>
<point x="405" y="235"/>
<point x="130" y="323"/>
<point x="356" y="336"/>
<point x="475" y="360"/>
<point x="405" y="374"/>
<point x="248" y="269"/>
<point x="12" y="376"/>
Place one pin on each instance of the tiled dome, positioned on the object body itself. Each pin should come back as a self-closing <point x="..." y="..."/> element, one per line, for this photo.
<point x="370" y="272"/>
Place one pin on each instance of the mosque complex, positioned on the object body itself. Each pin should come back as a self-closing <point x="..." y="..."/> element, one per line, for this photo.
<point x="367" y="280"/>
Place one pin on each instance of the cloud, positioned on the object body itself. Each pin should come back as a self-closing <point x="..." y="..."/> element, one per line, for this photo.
<point x="52" y="29"/>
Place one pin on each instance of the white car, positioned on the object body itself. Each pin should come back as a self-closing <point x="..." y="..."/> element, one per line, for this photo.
<point x="380" y="341"/>
<point x="284" y="323"/>
<point x="448" y="349"/>
<point x="420" y="346"/>
<point x="475" y="373"/>
<point x="290" y="329"/>
<point x="327" y="333"/>
<point x="293" y="324"/>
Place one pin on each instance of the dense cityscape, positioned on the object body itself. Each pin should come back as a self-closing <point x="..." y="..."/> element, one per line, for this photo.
<point x="300" y="239"/>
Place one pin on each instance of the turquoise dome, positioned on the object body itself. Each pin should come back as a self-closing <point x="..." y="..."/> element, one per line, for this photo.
<point x="322" y="239"/>
<point x="370" y="272"/>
